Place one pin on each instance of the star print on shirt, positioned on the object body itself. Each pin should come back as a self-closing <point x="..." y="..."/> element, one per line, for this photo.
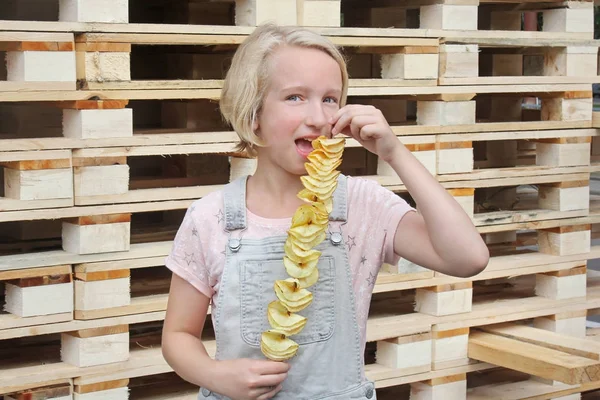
<point x="219" y="216"/>
<point x="351" y="242"/>
<point x="371" y="279"/>
<point x="189" y="258"/>
<point x="363" y="259"/>
<point x="194" y="231"/>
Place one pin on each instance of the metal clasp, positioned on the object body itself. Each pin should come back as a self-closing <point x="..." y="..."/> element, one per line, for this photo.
<point x="336" y="238"/>
<point x="235" y="244"/>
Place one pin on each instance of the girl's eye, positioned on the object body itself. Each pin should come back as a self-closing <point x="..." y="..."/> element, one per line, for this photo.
<point x="293" y="97"/>
<point x="332" y="100"/>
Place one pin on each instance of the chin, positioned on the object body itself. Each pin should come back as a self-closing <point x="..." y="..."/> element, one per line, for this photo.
<point x="296" y="169"/>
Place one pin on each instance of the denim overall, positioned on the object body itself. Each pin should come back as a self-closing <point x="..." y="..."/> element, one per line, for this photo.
<point x="328" y="364"/>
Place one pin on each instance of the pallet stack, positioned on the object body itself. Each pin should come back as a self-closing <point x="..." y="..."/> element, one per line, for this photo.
<point x="109" y="130"/>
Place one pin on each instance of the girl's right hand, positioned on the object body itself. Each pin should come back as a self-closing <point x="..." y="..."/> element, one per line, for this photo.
<point x="248" y="379"/>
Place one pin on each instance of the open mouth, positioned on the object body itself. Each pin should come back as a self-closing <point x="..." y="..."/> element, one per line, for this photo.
<point x="304" y="147"/>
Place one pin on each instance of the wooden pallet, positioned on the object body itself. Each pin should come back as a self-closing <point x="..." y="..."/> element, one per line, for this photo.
<point x="522" y="174"/>
<point x="436" y="320"/>
<point x="571" y="17"/>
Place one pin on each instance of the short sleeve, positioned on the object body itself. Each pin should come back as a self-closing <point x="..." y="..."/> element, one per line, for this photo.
<point x="187" y="258"/>
<point x="383" y="211"/>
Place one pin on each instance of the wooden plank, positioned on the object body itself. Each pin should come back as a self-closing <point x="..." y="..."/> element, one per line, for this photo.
<point x="99" y="219"/>
<point x="566" y="344"/>
<point x="29" y="273"/>
<point x="145" y="304"/>
<point x="35" y="37"/>
<point x="36" y="46"/>
<point x="42" y="156"/>
<point x="103" y="331"/>
<point x="90" y="104"/>
<point x="56" y="391"/>
<point x="104" y="47"/>
<point x="202" y="39"/>
<point x="59" y="257"/>
<point x="530" y="389"/>
<point x="11" y="323"/>
<point x="119" y="264"/>
<point x="102" y="275"/>
<point x="518" y="176"/>
<point x="19" y="86"/>
<point x="425" y="92"/>
<point x="45" y="280"/>
<point x="504" y="310"/>
<point x="217" y="84"/>
<point x="14" y="205"/>
<point x="101" y="386"/>
<point x="532" y="359"/>
<point x="37" y="164"/>
<point x="474" y="132"/>
<point x="51" y="326"/>
<point x="26" y="388"/>
<point x="518" y="80"/>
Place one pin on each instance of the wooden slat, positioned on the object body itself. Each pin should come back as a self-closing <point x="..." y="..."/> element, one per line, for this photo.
<point x="445" y="93"/>
<point x="36" y="46"/>
<point x="552" y="340"/>
<point x="32" y="273"/>
<point x="532" y="359"/>
<point x="102" y="275"/>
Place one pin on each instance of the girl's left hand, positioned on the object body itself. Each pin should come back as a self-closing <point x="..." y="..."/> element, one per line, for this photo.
<point x="368" y="126"/>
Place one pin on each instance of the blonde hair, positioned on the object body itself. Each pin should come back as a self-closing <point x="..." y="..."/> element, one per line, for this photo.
<point x="247" y="79"/>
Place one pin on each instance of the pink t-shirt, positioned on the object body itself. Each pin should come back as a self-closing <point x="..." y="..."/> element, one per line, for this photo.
<point x="198" y="253"/>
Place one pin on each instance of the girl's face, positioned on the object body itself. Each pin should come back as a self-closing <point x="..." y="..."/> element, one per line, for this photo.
<point x="303" y="94"/>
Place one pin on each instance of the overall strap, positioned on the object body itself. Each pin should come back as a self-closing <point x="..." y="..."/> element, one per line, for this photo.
<point x="234" y="202"/>
<point x="340" y="200"/>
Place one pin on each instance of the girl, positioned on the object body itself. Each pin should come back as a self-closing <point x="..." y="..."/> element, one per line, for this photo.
<point x="287" y="86"/>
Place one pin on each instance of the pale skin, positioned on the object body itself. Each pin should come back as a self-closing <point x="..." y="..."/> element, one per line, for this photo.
<point x="302" y="102"/>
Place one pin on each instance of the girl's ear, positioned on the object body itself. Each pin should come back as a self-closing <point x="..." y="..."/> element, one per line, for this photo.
<point x="255" y="126"/>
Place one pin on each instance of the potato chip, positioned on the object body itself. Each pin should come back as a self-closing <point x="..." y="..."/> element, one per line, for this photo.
<point x="277" y="346"/>
<point x="283" y="320"/>
<point x="308" y="196"/>
<point x="333" y="145"/>
<point x="323" y="190"/>
<point x="317" y="172"/>
<point x="307" y="232"/>
<point x="309" y="280"/>
<point x="292" y="296"/>
<point x="322" y="160"/>
<point x="296" y="254"/>
<point x="308" y="214"/>
<point x="327" y="178"/>
<point x="311" y="197"/>
<point x="307" y="242"/>
<point x="301" y="269"/>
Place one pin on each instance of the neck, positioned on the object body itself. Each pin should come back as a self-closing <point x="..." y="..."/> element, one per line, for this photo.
<point x="282" y="188"/>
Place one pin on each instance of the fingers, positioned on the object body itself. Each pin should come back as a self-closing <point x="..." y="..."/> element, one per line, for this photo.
<point x="352" y="118"/>
<point x="272" y="367"/>
<point x="343" y="116"/>
<point x="271" y="380"/>
<point x="269" y="393"/>
<point x="360" y="127"/>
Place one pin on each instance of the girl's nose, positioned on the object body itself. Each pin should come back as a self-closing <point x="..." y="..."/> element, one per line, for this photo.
<point x="317" y="116"/>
